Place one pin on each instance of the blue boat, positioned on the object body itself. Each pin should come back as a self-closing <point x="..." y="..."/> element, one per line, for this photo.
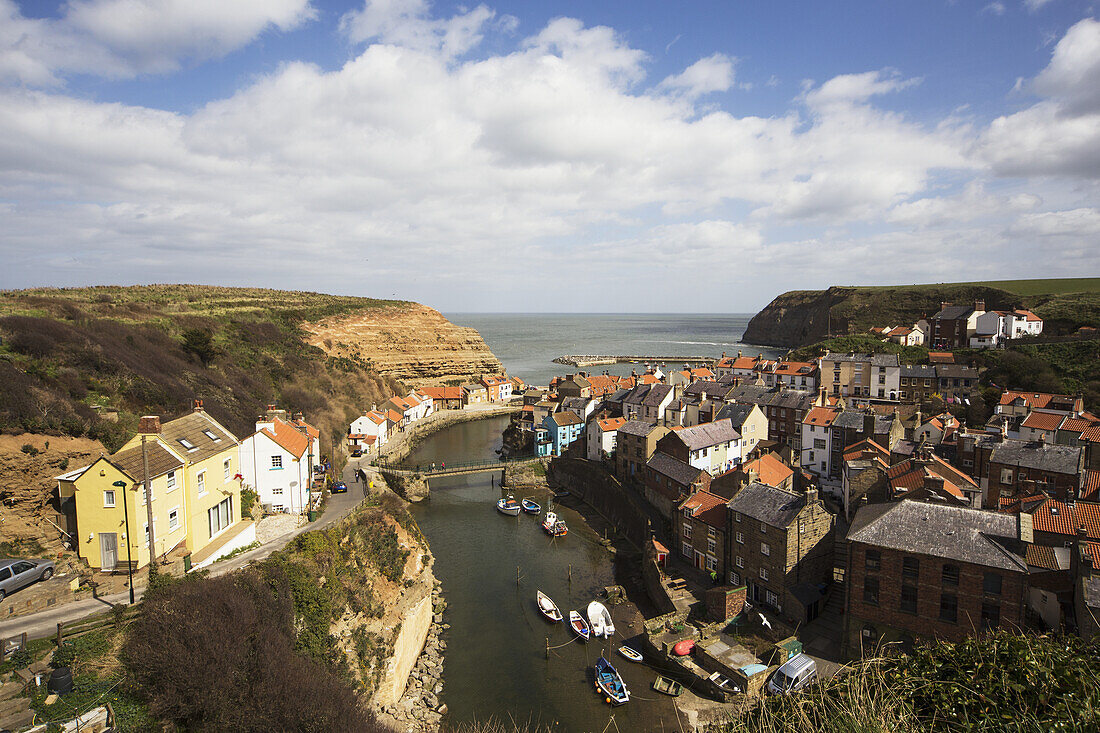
<point x="610" y="683"/>
<point x="530" y="507"/>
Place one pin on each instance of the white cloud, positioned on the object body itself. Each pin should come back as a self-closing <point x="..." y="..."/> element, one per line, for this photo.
<point x="994" y="8"/>
<point x="1081" y="223"/>
<point x="125" y="38"/>
<point x="408" y="23"/>
<point x="1073" y="76"/>
<point x="1034" y="5"/>
<point x="856" y="88"/>
<point x="710" y="74"/>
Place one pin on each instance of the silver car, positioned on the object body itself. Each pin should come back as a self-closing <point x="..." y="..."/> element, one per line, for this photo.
<point x="16" y="574"/>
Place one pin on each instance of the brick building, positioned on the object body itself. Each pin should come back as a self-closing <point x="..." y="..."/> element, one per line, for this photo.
<point x="781" y="547"/>
<point x="701" y="532"/>
<point x="637" y="441"/>
<point x="784" y="408"/>
<point x="919" y="570"/>
<point x="669" y="481"/>
<point x="953" y="325"/>
<point x="1008" y="468"/>
<point x="918" y="383"/>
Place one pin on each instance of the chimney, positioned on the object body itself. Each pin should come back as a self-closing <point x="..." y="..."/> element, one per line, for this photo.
<point x="811" y="494"/>
<point x="979" y="305"/>
<point x="944" y="304"/>
<point x="1024" y="529"/>
<point x="934" y="483"/>
<point x="149" y="425"/>
<point x="869" y="425"/>
<point x="197" y="404"/>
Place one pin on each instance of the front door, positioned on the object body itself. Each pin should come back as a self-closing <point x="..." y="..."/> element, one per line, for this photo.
<point x="700" y="560"/>
<point x="108" y="550"/>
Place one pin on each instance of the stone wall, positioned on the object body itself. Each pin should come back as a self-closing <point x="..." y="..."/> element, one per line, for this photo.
<point x="725" y="602"/>
<point x="651" y="578"/>
<point x="600" y="490"/>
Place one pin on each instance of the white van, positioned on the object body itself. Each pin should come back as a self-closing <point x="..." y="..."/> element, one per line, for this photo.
<point x="798" y="671"/>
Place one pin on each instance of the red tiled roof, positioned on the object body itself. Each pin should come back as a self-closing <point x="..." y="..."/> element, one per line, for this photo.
<point x="310" y="430"/>
<point x="707" y="508"/>
<point x="795" y="368"/>
<point x="1041" y="556"/>
<point x="493" y="381"/>
<point x="1042" y="421"/>
<point x="911" y="474"/>
<point x="659" y="547"/>
<point x="1058" y="517"/>
<point x="394" y="415"/>
<point x="770" y="470"/>
<point x="443" y="393"/>
<point x="1091" y="488"/>
<point x="648" y="379"/>
<point x="611" y="424"/>
<point x="866" y="449"/>
<point x="1026" y="314"/>
<point x="288" y="438"/>
<point x="1034" y="400"/>
<point x="1092" y="434"/>
<point x="821" y="416"/>
<point x="1093" y="548"/>
<point x="941" y="357"/>
<point x="1077" y="424"/>
<point x="371" y="439"/>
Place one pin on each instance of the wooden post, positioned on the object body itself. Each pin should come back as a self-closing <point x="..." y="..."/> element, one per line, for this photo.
<point x="59" y="636"/>
<point x="548" y="647"/>
<point x="571" y="573"/>
<point x="517" y="574"/>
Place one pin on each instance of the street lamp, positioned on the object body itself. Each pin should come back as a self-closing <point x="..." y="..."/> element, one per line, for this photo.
<point x="126" y="516"/>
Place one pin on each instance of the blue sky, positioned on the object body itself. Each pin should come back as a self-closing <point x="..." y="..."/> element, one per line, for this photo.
<point x="567" y="156"/>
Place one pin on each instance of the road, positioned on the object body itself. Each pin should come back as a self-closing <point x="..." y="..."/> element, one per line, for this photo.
<point x="44" y="623"/>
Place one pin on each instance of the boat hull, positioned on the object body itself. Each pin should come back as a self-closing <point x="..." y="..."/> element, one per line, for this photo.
<point x="511" y="509"/>
<point x="548" y="608"/>
<point x="530" y="507"/>
<point x="610" y="683"/>
<point x="579" y="625"/>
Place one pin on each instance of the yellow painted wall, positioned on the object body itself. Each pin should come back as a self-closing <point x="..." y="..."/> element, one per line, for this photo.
<point x="217" y="489"/>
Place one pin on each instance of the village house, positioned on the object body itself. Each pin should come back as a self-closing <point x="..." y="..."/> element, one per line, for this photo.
<point x="930" y="571"/>
<point x="475" y="393"/>
<point x="582" y="407"/>
<point x="989" y="330"/>
<point x="794" y="374"/>
<point x="767" y="469"/>
<point x="498" y="387"/>
<point x="953" y="325"/>
<point x="701" y="532"/>
<point x="668" y="481"/>
<point x="741" y="366"/>
<point x="749" y="421"/>
<point x="647" y="402"/>
<point x="784" y="408"/>
<point x="637" y="442"/>
<point x="918" y="383"/>
<point x="956" y="383"/>
<point x="601" y="437"/>
<point x="369" y="432"/>
<point x="817" y="441"/>
<point x="277" y="461"/>
<point x="905" y="335"/>
<point x="564" y="428"/>
<point x="445" y="398"/>
<point x="1020" y="323"/>
<point x="1014" y="468"/>
<point x="712" y="447"/>
<point x="781" y="547"/>
<point x="689" y="376"/>
<point x="860" y="377"/>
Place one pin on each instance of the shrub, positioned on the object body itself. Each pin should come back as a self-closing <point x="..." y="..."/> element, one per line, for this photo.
<point x="29" y="449"/>
<point x="249" y="497"/>
<point x="21" y="659"/>
<point x="64" y="655"/>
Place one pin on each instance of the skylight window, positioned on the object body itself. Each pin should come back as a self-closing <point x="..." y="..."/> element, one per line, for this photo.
<point x="188" y="445"/>
<point x="210" y="434"/>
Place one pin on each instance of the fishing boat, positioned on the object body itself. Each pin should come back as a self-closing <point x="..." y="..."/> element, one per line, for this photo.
<point x="600" y="619"/>
<point x="668" y="687"/>
<point x="579" y="625"/>
<point x="610" y="683"/>
<point x="530" y="507"/>
<point x="554" y="526"/>
<point x="548" y="608"/>
<point x="632" y="654"/>
<point x="508" y="506"/>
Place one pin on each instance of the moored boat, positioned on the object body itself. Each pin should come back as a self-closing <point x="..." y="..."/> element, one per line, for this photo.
<point x="547" y="607"/>
<point x="667" y="686"/>
<point x="508" y="506"/>
<point x="579" y="625"/>
<point x="554" y="526"/>
<point x="630" y="653"/>
<point x="600" y="620"/>
<point x="530" y="507"/>
<point x="611" y="683"/>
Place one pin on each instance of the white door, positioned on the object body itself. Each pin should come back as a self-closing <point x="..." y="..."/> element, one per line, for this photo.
<point x="108" y="550"/>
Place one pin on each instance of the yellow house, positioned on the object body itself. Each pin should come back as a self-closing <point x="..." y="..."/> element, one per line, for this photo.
<point x="194" y="473"/>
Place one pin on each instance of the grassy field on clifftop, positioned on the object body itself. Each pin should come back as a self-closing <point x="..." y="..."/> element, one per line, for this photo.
<point x="71" y="358"/>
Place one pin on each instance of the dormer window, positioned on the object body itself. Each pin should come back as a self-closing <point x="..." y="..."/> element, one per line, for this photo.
<point x="188" y="445"/>
<point x="210" y="434"/>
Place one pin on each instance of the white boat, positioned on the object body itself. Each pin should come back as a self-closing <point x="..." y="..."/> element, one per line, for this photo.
<point x="548" y="608"/>
<point x="579" y="625"/>
<point x="600" y="619"/>
<point x="632" y="654"/>
<point x="508" y="506"/>
<point x="554" y="526"/>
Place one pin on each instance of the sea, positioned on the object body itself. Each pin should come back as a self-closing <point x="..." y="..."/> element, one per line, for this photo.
<point x="527" y="343"/>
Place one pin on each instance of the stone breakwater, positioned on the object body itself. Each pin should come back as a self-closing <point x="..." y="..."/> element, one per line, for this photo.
<point x="420" y="708"/>
<point x="400" y="446"/>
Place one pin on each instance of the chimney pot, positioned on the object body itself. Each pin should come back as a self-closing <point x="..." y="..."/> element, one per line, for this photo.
<point x="149" y="425"/>
<point x="198" y="405"/>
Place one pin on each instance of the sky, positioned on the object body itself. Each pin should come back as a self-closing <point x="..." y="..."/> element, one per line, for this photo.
<point x="522" y="156"/>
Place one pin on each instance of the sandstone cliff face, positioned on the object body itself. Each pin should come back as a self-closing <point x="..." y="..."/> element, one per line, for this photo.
<point x="412" y="343"/>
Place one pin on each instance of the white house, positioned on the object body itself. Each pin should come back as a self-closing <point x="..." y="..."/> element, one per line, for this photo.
<point x="989" y="330"/>
<point x="1020" y="323"/>
<point x="817" y="441"/>
<point x="714" y="447"/>
<point x="369" y="432"/>
<point x="276" y="461"/>
<point x="602" y="437"/>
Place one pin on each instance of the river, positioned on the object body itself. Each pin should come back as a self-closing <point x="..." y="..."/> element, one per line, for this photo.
<point x="495" y="663"/>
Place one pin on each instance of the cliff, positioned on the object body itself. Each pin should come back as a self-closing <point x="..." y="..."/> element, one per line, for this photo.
<point x="409" y="342"/>
<point x="801" y="317"/>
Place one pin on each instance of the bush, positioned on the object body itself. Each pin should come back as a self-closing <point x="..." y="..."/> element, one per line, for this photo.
<point x="29" y="449"/>
<point x="64" y="655"/>
<point x="21" y="659"/>
<point x="249" y="497"/>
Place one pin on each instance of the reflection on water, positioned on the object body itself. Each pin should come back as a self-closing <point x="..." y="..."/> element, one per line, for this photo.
<point x="495" y="663"/>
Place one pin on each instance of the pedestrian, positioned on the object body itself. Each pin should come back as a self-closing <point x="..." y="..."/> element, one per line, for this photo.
<point x="444" y="464"/>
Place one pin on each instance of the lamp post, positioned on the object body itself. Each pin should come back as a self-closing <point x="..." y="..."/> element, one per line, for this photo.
<point x="126" y="515"/>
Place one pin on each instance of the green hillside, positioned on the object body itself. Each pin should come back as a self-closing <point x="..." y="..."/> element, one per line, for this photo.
<point x="1053" y="286"/>
<point x="74" y="360"/>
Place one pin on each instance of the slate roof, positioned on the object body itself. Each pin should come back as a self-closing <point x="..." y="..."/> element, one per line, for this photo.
<point x="161" y="461"/>
<point x="575" y="403"/>
<point x="920" y="371"/>
<point x="737" y="414"/>
<point x="950" y="532"/>
<point x="641" y="428"/>
<point x="954" y="312"/>
<point x="680" y="472"/>
<point x="1041" y="456"/>
<point x="795" y="399"/>
<point x="705" y="435"/>
<point x="774" y="507"/>
<point x="190" y="427"/>
<point x="956" y="371"/>
<point x="657" y="394"/>
<point x="712" y="389"/>
<point x="561" y="419"/>
<point x="873" y="359"/>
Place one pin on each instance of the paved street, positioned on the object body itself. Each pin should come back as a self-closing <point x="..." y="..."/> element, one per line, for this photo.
<point x="39" y="625"/>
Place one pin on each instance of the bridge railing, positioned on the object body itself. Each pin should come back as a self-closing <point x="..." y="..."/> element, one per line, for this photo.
<point x="447" y="466"/>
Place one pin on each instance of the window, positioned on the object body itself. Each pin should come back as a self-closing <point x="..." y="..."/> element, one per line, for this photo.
<point x="1006" y="475"/>
<point x="763" y="573"/>
<point x="740" y="537"/>
<point x="685" y="530"/>
<point x="227" y="469"/>
<point x="685" y="549"/>
<point x="949" y="608"/>
<point x="210" y="434"/>
<point x="991" y="584"/>
<point x="712" y="563"/>
<point x="870" y="591"/>
<point x="737" y="516"/>
<point x="278" y="490"/>
<point x="712" y="545"/>
<point x="735" y="578"/>
<point x="909" y="598"/>
<point x="171" y="477"/>
<point x="740" y="561"/>
<point x="276" y="461"/>
<point x="108" y="498"/>
<point x="221" y="516"/>
<point x="819" y="444"/>
<point x="873" y="561"/>
<point x="910" y="568"/>
<point x="174" y="518"/>
<point x="802" y="526"/>
<point x="765" y="549"/>
<point x="188" y="445"/>
<point x="991" y="615"/>
<point x="711" y="532"/>
<point x="951" y="575"/>
<point x="200" y="480"/>
<point x="771" y="599"/>
<point x="763" y="528"/>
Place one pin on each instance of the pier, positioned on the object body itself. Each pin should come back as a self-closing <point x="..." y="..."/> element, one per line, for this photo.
<point x="586" y="360"/>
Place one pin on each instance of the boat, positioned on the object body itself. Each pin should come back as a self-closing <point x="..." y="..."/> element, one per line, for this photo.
<point x="554" y="526"/>
<point x="668" y="687"/>
<point x="600" y="619"/>
<point x="683" y="647"/>
<point x="508" y="506"/>
<point x="579" y="625"/>
<point x="548" y="608"/>
<point x="610" y="683"/>
<point x="632" y="654"/>
<point x="530" y="507"/>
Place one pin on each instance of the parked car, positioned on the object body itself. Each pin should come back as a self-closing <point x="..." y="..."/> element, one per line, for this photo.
<point x="16" y="574"/>
<point x="339" y="488"/>
<point x="357" y="453"/>
<point x="798" y="672"/>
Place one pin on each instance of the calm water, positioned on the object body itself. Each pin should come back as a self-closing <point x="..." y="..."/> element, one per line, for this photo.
<point x="495" y="663"/>
<point x="528" y="343"/>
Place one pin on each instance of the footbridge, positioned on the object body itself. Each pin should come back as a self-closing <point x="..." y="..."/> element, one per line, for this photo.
<point x="447" y="468"/>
